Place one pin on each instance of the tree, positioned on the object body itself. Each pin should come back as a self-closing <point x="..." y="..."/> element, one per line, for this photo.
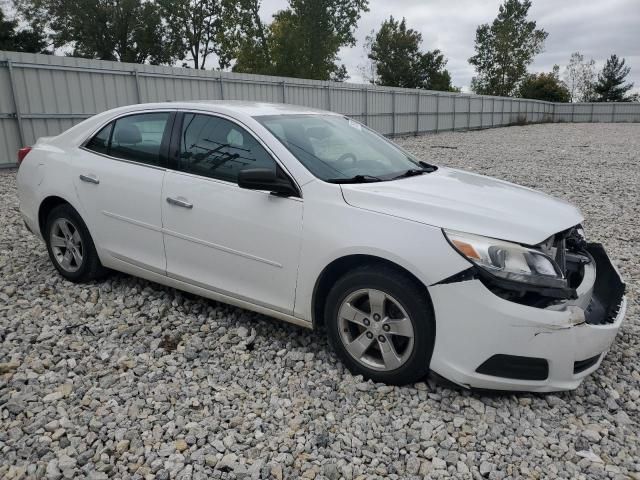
<point x="302" y="40"/>
<point x="611" y="86"/>
<point x="121" y="30"/>
<point x="252" y="50"/>
<point x="580" y="78"/>
<point x="204" y="27"/>
<point x="398" y="62"/>
<point x="505" y="48"/>
<point x="545" y="86"/>
<point x="12" y="38"/>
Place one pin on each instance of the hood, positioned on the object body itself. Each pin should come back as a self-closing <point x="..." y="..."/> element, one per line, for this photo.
<point x="468" y="202"/>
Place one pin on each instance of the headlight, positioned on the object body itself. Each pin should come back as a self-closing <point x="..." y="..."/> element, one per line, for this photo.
<point x="507" y="260"/>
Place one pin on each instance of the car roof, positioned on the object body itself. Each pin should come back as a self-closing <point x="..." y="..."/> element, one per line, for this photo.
<point x="241" y="110"/>
<point x="251" y="109"/>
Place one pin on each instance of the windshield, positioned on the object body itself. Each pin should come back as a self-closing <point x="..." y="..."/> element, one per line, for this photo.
<point x="335" y="148"/>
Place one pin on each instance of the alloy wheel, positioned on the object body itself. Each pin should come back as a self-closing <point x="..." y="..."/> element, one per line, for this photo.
<point x="375" y="329"/>
<point x="66" y="245"/>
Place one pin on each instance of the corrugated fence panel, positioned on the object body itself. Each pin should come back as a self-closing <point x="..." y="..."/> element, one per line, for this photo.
<point x="626" y="112"/>
<point x="55" y="93"/>
<point x="345" y="101"/>
<point x="445" y="112"/>
<point x="9" y="141"/>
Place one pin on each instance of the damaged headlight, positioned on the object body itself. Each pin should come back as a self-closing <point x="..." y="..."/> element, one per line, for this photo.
<point x="508" y="261"/>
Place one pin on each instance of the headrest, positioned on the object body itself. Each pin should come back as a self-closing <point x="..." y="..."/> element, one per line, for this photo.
<point x="129" y="135"/>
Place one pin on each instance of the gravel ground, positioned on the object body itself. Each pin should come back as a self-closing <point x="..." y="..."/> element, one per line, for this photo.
<point x="128" y="379"/>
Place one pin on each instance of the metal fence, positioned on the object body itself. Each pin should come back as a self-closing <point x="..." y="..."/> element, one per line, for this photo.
<point x="43" y="95"/>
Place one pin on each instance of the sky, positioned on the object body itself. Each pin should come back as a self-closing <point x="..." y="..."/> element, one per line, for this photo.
<point x="595" y="28"/>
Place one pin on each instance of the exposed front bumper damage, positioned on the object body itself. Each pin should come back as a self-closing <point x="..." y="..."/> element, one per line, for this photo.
<point x="526" y="347"/>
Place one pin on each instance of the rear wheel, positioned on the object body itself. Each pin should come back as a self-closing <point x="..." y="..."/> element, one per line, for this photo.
<point x="380" y="323"/>
<point x="70" y="245"/>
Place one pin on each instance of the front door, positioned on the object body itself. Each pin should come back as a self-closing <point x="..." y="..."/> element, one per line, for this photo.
<point x="238" y="242"/>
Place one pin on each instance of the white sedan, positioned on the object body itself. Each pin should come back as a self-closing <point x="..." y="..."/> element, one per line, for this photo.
<point x="313" y="218"/>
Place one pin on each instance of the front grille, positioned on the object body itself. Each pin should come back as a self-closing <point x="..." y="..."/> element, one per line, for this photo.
<point x="582" y="365"/>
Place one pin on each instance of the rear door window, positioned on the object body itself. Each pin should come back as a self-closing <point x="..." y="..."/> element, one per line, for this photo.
<point x="137" y="138"/>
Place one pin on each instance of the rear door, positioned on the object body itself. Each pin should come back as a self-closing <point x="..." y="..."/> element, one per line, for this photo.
<point x="119" y="181"/>
<point x="242" y="243"/>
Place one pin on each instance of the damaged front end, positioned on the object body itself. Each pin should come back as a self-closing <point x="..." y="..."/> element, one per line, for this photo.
<point x="583" y="277"/>
<point x="536" y="318"/>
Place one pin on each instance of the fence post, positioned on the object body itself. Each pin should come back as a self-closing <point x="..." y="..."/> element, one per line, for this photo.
<point x="482" y="113"/>
<point x="221" y="87"/>
<point x="137" y="79"/>
<point x="393" y="112"/>
<point x="493" y="110"/>
<point x="284" y="91"/>
<point x="437" y="95"/>
<point x="613" y="113"/>
<point x="365" y="92"/>
<point x="453" y="127"/>
<point x="14" y="94"/>
<point x="591" y="119"/>
<point x="417" y="113"/>
<point x="328" y="97"/>
<point x="573" y="112"/>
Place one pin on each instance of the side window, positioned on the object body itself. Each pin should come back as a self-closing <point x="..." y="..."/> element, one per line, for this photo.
<point x="217" y="148"/>
<point x="138" y="137"/>
<point x="100" y="142"/>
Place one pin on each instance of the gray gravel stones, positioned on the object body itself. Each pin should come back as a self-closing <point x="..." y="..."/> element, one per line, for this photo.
<point x="128" y="379"/>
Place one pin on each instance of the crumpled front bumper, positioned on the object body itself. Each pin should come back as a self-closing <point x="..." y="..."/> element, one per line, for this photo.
<point x="475" y="327"/>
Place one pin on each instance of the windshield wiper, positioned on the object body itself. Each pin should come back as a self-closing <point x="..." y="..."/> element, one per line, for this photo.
<point x="412" y="172"/>
<point x="427" y="167"/>
<point x="355" y="179"/>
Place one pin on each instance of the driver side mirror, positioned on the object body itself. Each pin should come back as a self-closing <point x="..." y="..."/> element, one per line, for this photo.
<point x="266" y="179"/>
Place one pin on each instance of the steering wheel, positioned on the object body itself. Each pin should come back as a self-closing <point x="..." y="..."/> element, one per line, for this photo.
<point x="347" y="158"/>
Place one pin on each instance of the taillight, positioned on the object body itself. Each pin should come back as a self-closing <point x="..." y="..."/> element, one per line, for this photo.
<point x="23" y="153"/>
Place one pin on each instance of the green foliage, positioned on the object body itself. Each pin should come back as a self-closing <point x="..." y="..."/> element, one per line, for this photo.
<point x="252" y="50"/>
<point x="505" y="48"/>
<point x="545" y="86"/>
<point x="611" y="86"/>
<point x="302" y="41"/>
<point x="398" y="61"/>
<point x="123" y="30"/>
<point x="12" y="38"/>
<point x="200" y="28"/>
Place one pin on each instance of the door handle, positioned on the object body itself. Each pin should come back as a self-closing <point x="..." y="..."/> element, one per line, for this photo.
<point x="179" y="203"/>
<point x="88" y="179"/>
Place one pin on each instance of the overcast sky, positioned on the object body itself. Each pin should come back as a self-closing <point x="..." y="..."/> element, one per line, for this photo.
<point x="595" y="28"/>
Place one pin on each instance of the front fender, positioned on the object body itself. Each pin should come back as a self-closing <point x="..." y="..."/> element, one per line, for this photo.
<point x="333" y="229"/>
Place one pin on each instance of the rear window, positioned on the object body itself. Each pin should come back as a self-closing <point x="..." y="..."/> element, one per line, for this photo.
<point x="100" y="142"/>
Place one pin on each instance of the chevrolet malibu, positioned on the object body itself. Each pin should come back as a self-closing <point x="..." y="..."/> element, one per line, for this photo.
<point x="312" y="218"/>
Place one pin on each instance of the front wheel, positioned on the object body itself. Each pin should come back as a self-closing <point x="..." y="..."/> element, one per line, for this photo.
<point x="380" y="323"/>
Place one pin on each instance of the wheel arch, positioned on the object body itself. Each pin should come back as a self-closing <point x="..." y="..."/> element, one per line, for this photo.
<point x="46" y="206"/>
<point x="342" y="265"/>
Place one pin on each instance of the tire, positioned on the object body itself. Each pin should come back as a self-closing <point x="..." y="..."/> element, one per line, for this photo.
<point x="70" y="246"/>
<point x="403" y="328"/>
